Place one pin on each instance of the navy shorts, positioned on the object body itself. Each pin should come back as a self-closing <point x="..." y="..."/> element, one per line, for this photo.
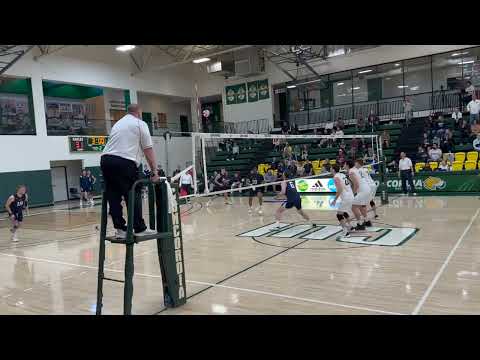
<point x="18" y="216"/>
<point x="297" y="203"/>
<point x="88" y="189"/>
<point x="258" y="189"/>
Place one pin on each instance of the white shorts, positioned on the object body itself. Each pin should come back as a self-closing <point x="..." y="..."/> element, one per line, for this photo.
<point x="362" y="198"/>
<point x="345" y="205"/>
<point x="373" y="191"/>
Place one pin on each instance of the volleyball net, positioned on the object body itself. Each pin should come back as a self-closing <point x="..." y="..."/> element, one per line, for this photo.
<point x="303" y="157"/>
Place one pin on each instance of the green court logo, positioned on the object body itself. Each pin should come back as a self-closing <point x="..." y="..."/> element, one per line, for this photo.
<point x="434" y="183"/>
<point x="302" y="185"/>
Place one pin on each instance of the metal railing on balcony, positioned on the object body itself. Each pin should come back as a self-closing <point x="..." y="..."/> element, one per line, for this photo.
<point x="258" y="126"/>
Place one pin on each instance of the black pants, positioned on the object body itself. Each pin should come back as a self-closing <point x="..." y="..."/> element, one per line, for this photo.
<point x="406" y="175"/>
<point x="119" y="175"/>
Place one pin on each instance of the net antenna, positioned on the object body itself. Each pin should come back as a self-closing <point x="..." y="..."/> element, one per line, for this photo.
<point x="205" y="147"/>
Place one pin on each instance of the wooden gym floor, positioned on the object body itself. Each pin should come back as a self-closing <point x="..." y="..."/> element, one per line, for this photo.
<point x="436" y="270"/>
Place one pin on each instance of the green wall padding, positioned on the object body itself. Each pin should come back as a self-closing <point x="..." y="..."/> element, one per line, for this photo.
<point x="126" y="95"/>
<point x="147" y="117"/>
<point x="70" y="91"/>
<point x="16" y="86"/>
<point x="39" y="185"/>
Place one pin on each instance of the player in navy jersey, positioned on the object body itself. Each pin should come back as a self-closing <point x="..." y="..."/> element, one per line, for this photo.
<point x="255" y="179"/>
<point x="91" y="181"/>
<point x="84" y="186"/>
<point x="293" y="199"/>
<point x="15" y="205"/>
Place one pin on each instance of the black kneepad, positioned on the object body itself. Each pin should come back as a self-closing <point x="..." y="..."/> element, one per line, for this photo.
<point x="339" y="217"/>
<point x="345" y="214"/>
<point x="372" y="203"/>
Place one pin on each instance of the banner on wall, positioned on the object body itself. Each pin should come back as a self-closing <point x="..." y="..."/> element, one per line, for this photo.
<point x="15" y="116"/>
<point x="230" y="95"/>
<point x="65" y="116"/>
<point x="252" y="91"/>
<point x="241" y="93"/>
<point x="263" y="91"/>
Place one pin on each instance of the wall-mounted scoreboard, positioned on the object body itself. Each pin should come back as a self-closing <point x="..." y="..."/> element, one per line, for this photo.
<point x="87" y="143"/>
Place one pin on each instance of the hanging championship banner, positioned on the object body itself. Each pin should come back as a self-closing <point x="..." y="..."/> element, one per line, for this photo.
<point x="252" y="91"/>
<point x="241" y="93"/>
<point x="230" y="94"/>
<point x="263" y="91"/>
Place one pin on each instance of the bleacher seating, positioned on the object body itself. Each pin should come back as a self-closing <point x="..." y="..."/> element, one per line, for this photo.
<point x="457" y="166"/>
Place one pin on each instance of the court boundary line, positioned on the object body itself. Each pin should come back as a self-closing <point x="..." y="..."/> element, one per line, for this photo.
<point x="445" y="264"/>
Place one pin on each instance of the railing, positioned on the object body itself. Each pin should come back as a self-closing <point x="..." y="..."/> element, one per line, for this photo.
<point x="259" y="126"/>
<point x="57" y="126"/>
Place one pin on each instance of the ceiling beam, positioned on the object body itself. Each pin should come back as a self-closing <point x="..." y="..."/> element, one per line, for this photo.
<point x="163" y="67"/>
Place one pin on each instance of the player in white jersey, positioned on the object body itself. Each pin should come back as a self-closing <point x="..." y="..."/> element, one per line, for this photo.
<point x="345" y="194"/>
<point x="361" y="192"/>
<point x="373" y="187"/>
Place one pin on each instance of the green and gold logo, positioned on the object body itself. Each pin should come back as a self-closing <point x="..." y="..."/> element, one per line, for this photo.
<point x="434" y="183"/>
<point x="302" y="185"/>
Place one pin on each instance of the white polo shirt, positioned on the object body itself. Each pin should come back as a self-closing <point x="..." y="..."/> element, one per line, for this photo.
<point x="456" y="115"/>
<point x="128" y="138"/>
<point x="405" y="164"/>
<point x="474" y="106"/>
<point x="186" y="179"/>
<point x="435" y="154"/>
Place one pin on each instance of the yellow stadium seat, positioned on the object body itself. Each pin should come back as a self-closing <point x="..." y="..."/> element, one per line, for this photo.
<point x="315" y="164"/>
<point x="472" y="156"/>
<point x="457" y="165"/>
<point x="333" y="162"/>
<point x="419" y="166"/>
<point x="433" y="165"/>
<point x="460" y="156"/>
<point x="470" y="165"/>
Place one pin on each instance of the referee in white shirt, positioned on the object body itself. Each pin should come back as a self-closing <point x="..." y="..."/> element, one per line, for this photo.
<point x="405" y="172"/>
<point x="186" y="182"/>
<point x="120" y="161"/>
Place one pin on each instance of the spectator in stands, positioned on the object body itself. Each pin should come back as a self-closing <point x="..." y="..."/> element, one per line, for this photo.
<point x="473" y="108"/>
<point x="373" y="120"/>
<point x="292" y="168"/>
<point x="341" y="157"/>
<point x="426" y="139"/>
<point x="297" y="152"/>
<point x="211" y="181"/>
<point x="354" y="148"/>
<point x="326" y="166"/>
<point x="176" y="171"/>
<point x="427" y="167"/>
<point x="385" y="138"/>
<point x="360" y="126"/>
<point x="464" y="131"/>
<point x="270" y="177"/>
<point x="447" y="145"/>
<point x="421" y="156"/>
<point x="236" y="181"/>
<point x="476" y="143"/>
<point x="307" y="168"/>
<point x="406" y="172"/>
<point x="469" y="92"/>
<point x="296" y="131"/>
<point x="340" y="123"/>
<point x="338" y="132"/>
<point x="456" y="115"/>
<point x="235" y="152"/>
<point x="443" y="166"/>
<point x="276" y="144"/>
<point x="408" y="108"/>
<point x="305" y="152"/>
<point x="435" y="153"/>
<point x="474" y="129"/>
<point x="287" y="151"/>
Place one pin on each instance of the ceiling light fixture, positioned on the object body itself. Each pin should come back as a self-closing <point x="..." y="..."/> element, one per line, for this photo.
<point x="201" y="60"/>
<point x="124" y="48"/>
<point x="402" y="86"/>
<point x="397" y="64"/>
<point x="365" y="71"/>
<point x="356" y="88"/>
<point x="340" y="83"/>
<point x="291" y="86"/>
<point x="467" y="62"/>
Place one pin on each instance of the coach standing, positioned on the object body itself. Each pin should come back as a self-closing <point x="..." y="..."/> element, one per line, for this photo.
<point x="120" y="160"/>
<point x="405" y="168"/>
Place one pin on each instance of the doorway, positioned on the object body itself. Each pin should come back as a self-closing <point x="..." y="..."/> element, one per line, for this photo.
<point x="65" y="176"/>
<point x="184" y="124"/>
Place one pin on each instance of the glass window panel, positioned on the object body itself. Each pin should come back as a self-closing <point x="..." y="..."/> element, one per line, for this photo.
<point x="342" y="88"/>
<point x="391" y="79"/>
<point x="418" y="77"/>
<point x="365" y="84"/>
<point x="447" y="70"/>
<point x="471" y="65"/>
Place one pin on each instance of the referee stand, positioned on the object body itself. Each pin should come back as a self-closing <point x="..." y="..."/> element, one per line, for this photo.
<point x="164" y="217"/>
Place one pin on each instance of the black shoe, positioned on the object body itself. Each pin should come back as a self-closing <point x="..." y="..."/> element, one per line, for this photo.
<point x="367" y="223"/>
<point x="376" y="216"/>
<point x="360" y="227"/>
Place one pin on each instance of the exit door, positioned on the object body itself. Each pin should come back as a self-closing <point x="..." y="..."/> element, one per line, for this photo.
<point x="59" y="183"/>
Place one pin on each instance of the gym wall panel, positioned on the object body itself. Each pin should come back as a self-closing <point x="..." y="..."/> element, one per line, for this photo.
<point x="39" y="185"/>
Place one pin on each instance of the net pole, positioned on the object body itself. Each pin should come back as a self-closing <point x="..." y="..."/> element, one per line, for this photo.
<point x="205" y="177"/>
<point x="195" y="189"/>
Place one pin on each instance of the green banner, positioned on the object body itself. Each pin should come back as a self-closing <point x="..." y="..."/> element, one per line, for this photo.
<point x="230" y="94"/>
<point x="252" y="91"/>
<point x="263" y="91"/>
<point x="241" y="93"/>
<point x="438" y="182"/>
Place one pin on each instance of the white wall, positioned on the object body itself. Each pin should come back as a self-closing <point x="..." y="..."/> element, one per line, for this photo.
<point x="179" y="152"/>
<point x="163" y="104"/>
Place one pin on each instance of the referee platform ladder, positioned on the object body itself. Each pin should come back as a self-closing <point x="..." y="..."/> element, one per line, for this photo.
<point x="169" y="245"/>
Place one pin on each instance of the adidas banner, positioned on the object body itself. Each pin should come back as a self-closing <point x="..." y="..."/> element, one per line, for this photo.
<point x="315" y="185"/>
